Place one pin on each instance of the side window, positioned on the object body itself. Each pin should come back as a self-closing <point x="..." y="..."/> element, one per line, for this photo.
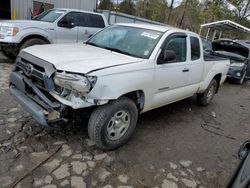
<point x="78" y="18"/>
<point x="195" y="48"/>
<point x="179" y="46"/>
<point x="81" y="19"/>
<point x="70" y="17"/>
<point x="96" y="21"/>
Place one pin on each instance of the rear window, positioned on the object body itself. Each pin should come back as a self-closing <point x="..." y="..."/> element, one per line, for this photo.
<point x="81" y="19"/>
<point x="96" y="21"/>
<point x="195" y="48"/>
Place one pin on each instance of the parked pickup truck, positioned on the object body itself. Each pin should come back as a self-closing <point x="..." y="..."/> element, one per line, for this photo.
<point x="120" y="72"/>
<point x="53" y="26"/>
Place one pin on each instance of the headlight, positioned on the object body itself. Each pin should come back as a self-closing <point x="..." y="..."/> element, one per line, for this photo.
<point x="238" y="64"/>
<point x="8" y="31"/>
<point x="75" y="82"/>
<point x="238" y="74"/>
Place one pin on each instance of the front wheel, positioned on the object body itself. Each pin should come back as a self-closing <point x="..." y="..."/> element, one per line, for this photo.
<point x="112" y="125"/>
<point x="32" y="42"/>
<point x="205" y="98"/>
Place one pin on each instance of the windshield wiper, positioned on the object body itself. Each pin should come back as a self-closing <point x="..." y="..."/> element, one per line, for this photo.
<point x="112" y="49"/>
<point x="118" y="50"/>
<point x="92" y="44"/>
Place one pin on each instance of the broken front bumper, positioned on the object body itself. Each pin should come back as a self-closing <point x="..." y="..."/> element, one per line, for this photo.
<point x="29" y="105"/>
<point x="33" y="100"/>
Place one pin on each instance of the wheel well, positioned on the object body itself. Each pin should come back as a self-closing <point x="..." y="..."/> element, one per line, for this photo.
<point x="138" y="98"/>
<point x="33" y="37"/>
<point x="218" y="79"/>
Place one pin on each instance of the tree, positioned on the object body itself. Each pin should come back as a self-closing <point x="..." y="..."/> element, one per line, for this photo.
<point x="151" y="9"/>
<point x="127" y="6"/>
<point x="186" y="15"/>
<point x="214" y="10"/>
<point x="242" y="8"/>
<point x="170" y="10"/>
<point x="183" y="13"/>
<point x="156" y="10"/>
<point x="106" y="5"/>
<point x="192" y="13"/>
<point x="140" y="8"/>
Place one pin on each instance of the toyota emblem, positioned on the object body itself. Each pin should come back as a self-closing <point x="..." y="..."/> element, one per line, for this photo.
<point x="28" y="69"/>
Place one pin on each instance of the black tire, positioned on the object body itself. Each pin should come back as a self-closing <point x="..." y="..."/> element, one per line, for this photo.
<point x="204" y="99"/>
<point x="32" y="42"/>
<point x="8" y="54"/>
<point x="103" y="116"/>
<point x="4" y="52"/>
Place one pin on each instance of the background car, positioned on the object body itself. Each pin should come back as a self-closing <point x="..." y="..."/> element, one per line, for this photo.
<point x="239" y="54"/>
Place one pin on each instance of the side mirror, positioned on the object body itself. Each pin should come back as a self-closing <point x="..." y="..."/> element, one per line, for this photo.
<point x="241" y="176"/>
<point x="244" y="150"/>
<point x="166" y="56"/>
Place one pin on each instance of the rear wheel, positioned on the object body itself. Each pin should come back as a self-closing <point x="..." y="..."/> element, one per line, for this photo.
<point x="205" y="98"/>
<point x="112" y="125"/>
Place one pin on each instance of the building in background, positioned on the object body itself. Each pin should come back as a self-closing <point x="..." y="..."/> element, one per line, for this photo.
<point x="22" y="9"/>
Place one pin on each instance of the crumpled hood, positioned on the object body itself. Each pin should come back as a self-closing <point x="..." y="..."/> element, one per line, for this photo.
<point x="79" y="58"/>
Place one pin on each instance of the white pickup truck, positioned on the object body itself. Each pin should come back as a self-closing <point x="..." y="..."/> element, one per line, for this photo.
<point x="53" y="26"/>
<point x="120" y="72"/>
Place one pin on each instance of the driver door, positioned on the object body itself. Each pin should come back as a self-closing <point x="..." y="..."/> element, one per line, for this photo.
<point x="66" y="32"/>
<point x="171" y="76"/>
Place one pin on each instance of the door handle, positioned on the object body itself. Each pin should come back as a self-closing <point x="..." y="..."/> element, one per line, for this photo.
<point x="185" y="70"/>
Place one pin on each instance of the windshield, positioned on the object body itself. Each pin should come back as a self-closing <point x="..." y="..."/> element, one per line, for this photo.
<point x="131" y="41"/>
<point x="49" y="16"/>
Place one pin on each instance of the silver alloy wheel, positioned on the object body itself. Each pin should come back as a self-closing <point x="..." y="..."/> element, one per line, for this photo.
<point x="118" y="125"/>
<point x="210" y="93"/>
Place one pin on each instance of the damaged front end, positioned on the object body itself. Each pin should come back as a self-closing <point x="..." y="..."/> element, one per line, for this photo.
<point x="47" y="94"/>
<point x="71" y="89"/>
<point x="237" y="69"/>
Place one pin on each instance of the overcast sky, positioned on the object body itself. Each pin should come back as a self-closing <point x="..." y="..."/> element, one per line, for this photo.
<point x="176" y="2"/>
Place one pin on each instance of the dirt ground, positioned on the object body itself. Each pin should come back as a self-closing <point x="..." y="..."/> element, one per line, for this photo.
<point x="180" y="145"/>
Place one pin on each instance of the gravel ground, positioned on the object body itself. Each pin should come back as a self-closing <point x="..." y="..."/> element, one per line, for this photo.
<point x="180" y="145"/>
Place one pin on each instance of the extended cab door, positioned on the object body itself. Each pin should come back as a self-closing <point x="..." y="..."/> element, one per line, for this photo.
<point x="196" y="64"/>
<point x="66" y="31"/>
<point x="171" y="76"/>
